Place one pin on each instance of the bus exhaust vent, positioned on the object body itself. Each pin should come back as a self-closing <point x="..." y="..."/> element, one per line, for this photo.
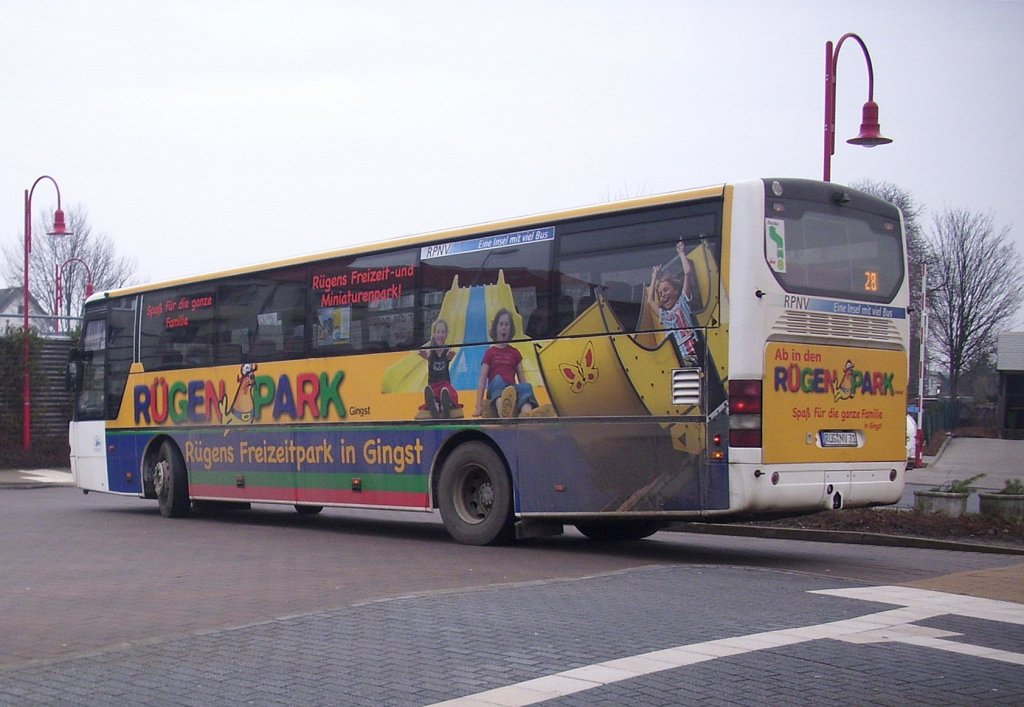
<point x="835" y="326"/>
<point x="686" y="386"/>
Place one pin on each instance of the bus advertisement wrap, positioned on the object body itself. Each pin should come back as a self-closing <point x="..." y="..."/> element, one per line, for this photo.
<point x="833" y="403"/>
<point x="727" y="352"/>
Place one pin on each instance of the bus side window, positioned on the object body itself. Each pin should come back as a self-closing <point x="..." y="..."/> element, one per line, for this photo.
<point x="516" y="278"/>
<point x="363" y="304"/>
<point x="621" y="299"/>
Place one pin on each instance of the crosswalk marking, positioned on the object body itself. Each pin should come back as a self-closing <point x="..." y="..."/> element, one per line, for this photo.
<point x="893" y="626"/>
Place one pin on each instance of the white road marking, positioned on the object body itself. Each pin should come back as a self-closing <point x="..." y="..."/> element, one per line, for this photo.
<point x="892" y="626"/>
<point x="46" y="476"/>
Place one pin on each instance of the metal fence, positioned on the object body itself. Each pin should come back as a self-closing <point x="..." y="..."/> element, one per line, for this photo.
<point x="50" y="401"/>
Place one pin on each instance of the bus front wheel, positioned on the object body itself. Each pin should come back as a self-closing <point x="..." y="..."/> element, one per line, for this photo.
<point x="170" y="481"/>
<point x="475" y="496"/>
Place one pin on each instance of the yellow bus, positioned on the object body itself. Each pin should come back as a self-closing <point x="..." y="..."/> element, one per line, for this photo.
<point x="735" y="351"/>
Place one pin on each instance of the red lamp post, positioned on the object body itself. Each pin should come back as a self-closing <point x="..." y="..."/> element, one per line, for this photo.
<point x="59" y="229"/>
<point x="870" y="133"/>
<point x="58" y="271"/>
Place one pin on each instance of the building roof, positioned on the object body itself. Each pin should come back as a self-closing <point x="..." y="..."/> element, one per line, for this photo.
<point x="12" y="296"/>
<point x="7" y="295"/>
<point x="1010" y="351"/>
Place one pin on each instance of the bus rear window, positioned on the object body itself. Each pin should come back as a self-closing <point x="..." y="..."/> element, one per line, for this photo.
<point x="833" y="251"/>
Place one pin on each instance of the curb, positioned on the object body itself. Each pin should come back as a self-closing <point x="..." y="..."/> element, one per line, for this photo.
<point x="842" y="536"/>
<point x="942" y="447"/>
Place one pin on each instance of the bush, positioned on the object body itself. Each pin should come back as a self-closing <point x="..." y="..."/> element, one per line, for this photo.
<point x="959" y="486"/>
<point x="46" y="452"/>
<point x="1013" y="487"/>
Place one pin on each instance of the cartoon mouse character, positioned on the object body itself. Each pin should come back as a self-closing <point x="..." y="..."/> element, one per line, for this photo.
<point x="243" y="406"/>
<point x="843" y="389"/>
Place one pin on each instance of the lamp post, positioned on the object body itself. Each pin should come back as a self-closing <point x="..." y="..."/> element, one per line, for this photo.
<point x="870" y="134"/>
<point x="922" y="370"/>
<point x="58" y="298"/>
<point x="59" y="229"/>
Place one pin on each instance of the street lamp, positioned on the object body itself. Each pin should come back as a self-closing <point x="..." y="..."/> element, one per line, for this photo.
<point x="58" y="298"/>
<point x="59" y="229"/>
<point x="870" y="134"/>
<point x="922" y="369"/>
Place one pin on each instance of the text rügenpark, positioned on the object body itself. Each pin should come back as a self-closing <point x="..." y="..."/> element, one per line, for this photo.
<point x="312" y="396"/>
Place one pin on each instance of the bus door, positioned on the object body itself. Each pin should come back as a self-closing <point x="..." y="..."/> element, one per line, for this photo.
<point x="87" y="431"/>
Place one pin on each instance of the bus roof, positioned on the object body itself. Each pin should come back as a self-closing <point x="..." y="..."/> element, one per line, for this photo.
<point x="706" y="192"/>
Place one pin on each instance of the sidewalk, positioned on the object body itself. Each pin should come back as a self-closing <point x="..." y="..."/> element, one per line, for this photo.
<point x="961" y="458"/>
<point x="34" y="478"/>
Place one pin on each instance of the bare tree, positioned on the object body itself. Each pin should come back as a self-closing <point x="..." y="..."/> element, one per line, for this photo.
<point x="917" y="255"/>
<point x="78" y="259"/>
<point x="975" y="288"/>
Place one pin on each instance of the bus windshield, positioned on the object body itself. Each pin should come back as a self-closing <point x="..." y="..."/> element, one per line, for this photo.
<point x="832" y="250"/>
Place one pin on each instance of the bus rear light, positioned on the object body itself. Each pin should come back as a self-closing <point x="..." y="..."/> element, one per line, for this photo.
<point x="745" y="396"/>
<point x="744" y="413"/>
<point x="744" y="422"/>
<point x="745" y="438"/>
<point x="717" y="453"/>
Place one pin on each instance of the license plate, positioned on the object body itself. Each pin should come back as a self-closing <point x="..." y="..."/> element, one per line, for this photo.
<point x="838" y="439"/>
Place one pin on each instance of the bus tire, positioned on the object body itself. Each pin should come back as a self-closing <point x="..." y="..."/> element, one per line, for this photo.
<point x="307" y="510"/>
<point x="475" y="496"/>
<point x="619" y="530"/>
<point x="170" y="481"/>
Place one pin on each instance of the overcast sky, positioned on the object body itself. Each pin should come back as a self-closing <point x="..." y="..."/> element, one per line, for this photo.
<point x="208" y="134"/>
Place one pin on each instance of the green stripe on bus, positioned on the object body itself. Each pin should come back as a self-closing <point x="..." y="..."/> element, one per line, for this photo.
<point x="413" y="483"/>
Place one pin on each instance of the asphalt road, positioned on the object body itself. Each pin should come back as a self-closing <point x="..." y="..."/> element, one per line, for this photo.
<point x="105" y="602"/>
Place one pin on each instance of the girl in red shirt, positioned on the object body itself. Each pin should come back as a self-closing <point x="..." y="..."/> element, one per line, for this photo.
<point x="502" y="367"/>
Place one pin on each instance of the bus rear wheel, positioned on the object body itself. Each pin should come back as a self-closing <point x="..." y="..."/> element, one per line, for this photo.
<point x="619" y="531"/>
<point x="170" y="481"/>
<point x="475" y="496"/>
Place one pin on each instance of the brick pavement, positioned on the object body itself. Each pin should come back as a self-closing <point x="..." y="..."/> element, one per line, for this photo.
<point x="1002" y="583"/>
<point x="420" y="650"/>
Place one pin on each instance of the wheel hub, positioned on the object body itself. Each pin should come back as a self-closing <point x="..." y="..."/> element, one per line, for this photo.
<point x="160" y="476"/>
<point x="477" y="496"/>
<point x="485" y="496"/>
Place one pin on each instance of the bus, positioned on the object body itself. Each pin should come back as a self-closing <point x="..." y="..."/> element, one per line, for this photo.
<point x="736" y="351"/>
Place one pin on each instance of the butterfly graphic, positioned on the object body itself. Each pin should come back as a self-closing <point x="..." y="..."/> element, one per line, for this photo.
<point x="582" y="372"/>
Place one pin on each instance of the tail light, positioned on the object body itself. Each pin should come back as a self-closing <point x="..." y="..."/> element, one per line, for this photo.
<point x="744" y="413"/>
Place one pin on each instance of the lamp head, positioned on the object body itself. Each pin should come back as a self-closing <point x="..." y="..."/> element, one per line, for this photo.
<point x="59" y="228"/>
<point x="870" y="133"/>
<point x="88" y="290"/>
